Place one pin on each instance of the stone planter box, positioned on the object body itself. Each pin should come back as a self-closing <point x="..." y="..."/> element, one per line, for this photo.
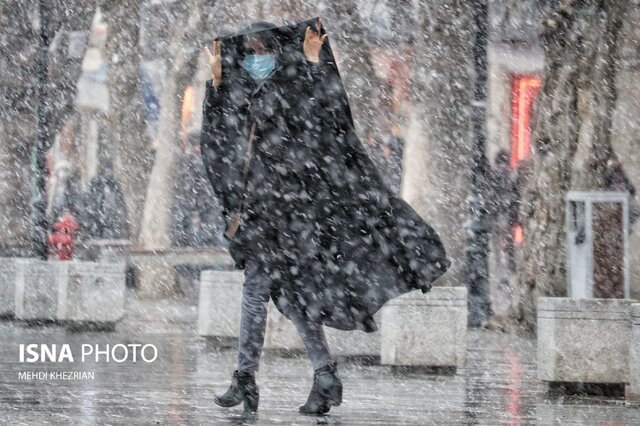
<point x="583" y="340"/>
<point x="11" y="276"/>
<point x="95" y="292"/>
<point x="281" y="334"/>
<point x="155" y="278"/>
<point x="428" y="330"/>
<point x="634" y="352"/>
<point x="77" y="291"/>
<point x="219" y="305"/>
<point x="354" y="343"/>
<point x="42" y="295"/>
<point x="219" y="311"/>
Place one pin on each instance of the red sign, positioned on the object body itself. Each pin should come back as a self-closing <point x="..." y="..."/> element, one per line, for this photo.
<point x="524" y="91"/>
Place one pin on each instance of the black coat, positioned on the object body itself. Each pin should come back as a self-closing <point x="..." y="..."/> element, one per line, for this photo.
<point x="316" y="214"/>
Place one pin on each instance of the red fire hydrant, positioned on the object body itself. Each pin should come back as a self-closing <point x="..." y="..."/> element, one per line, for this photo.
<point x="62" y="239"/>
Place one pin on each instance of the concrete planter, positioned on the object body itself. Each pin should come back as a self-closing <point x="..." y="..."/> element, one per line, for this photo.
<point x="42" y="295"/>
<point x="281" y="334"/>
<point x="155" y="278"/>
<point x="219" y="312"/>
<point x="634" y="352"/>
<point x="425" y="329"/>
<point x="11" y="276"/>
<point x="95" y="292"/>
<point x="354" y="343"/>
<point x="219" y="305"/>
<point x="583" y="340"/>
<point x="77" y="291"/>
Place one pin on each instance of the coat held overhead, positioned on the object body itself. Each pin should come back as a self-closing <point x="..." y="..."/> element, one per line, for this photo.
<point x="313" y="210"/>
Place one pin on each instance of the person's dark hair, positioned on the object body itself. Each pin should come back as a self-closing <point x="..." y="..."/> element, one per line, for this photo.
<point x="269" y="41"/>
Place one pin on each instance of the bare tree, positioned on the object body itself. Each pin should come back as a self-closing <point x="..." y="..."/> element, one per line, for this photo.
<point x="128" y="131"/>
<point x="184" y="52"/>
<point x="438" y="159"/>
<point x="572" y="137"/>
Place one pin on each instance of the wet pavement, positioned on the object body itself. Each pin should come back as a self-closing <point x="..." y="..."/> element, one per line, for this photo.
<point x="498" y="385"/>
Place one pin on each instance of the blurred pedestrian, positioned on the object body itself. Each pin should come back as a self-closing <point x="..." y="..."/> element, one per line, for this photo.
<point x="502" y="207"/>
<point x="105" y="210"/>
<point x="616" y="180"/>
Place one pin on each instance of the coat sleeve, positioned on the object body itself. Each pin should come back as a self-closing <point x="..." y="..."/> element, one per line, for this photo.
<point x="219" y="155"/>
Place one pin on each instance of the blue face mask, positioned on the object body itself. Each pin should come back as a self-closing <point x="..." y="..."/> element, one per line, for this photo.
<point x="259" y="66"/>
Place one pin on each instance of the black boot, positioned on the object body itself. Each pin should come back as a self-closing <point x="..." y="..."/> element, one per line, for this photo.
<point x="325" y="392"/>
<point x="243" y="388"/>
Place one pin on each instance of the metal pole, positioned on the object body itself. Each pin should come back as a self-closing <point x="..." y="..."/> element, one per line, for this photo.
<point x="477" y="227"/>
<point x="38" y="157"/>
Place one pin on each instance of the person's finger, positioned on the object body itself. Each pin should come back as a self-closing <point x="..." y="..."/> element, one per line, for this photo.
<point x="324" y="37"/>
<point x="319" y="26"/>
<point x="307" y="33"/>
<point x="209" y="55"/>
<point x="217" y="49"/>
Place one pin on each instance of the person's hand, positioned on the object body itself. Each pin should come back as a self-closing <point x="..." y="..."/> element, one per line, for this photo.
<point x="313" y="43"/>
<point x="215" y="62"/>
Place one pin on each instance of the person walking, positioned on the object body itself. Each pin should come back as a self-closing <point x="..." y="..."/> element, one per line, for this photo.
<point x="307" y="214"/>
<point x="502" y="209"/>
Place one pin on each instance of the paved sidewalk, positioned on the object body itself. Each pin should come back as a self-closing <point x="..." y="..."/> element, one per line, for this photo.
<point x="498" y="386"/>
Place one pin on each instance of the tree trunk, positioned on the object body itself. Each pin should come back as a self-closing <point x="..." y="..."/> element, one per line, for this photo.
<point x="156" y="223"/>
<point x="133" y="156"/>
<point x="571" y="139"/>
<point x="17" y="124"/>
<point x="437" y="178"/>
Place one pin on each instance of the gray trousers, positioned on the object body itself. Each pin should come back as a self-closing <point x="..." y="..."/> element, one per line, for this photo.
<point x="255" y="297"/>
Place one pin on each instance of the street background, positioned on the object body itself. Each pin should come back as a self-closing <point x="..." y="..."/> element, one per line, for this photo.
<point x="483" y="115"/>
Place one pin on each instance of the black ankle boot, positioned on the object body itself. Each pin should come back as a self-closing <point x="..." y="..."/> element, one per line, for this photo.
<point x="243" y="389"/>
<point x="325" y="392"/>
